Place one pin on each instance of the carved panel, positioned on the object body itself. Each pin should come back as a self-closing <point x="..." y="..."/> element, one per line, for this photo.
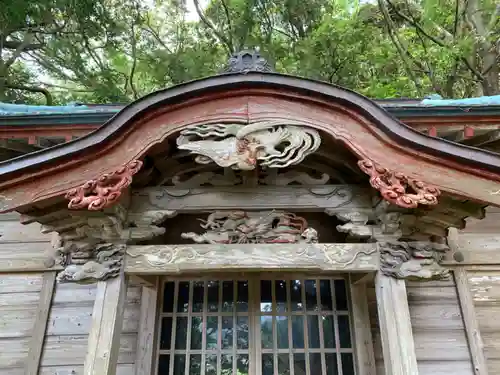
<point x="164" y="259"/>
<point x="413" y="260"/>
<point x="270" y="144"/>
<point x="397" y="188"/>
<point x="104" y="191"/>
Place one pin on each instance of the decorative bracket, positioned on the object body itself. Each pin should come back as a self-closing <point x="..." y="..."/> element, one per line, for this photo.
<point x="104" y="191"/>
<point x="396" y="187"/>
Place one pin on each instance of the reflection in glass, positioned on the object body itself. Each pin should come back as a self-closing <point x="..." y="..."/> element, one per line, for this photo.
<point x="183" y="297"/>
<point x="181" y="333"/>
<point x="166" y="333"/>
<point x="242" y="303"/>
<point x="283" y="364"/>
<point x="211" y="365"/>
<point x="347" y="363"/>
<point x="226" y="364"/>
<point x="198" y="288"/>
<point x="331" y="363"/>
<point x="315" y="363"/>
<point x="311" y="298"/>
<point x="344" y="332"/>
<point x="296" y="295"/>
<point x="266" y="298"/>
<point x="196" y="332"/>
<point x="168" y="297"/>
<point x="340" y="295"/>
<point x="212" y="331"/>
<point x="242" y="364"/>
<point x="313" y="331"/>
<point x="329" y="331"/>
<point x="213" y="296"/>
<point x="298" y="331"/>
<point x="163" y="364"/>
<point x="299" y="363"/>
<point x="195" y="364"/>
<point x="242" y="332"/>
<point x="267" y="364"/>
<point x="266" y="331"/>
<point x="179" y="364"/>
<point x="326" y="295"/>
<point x="227" y="332"/>
<point x="227" y="296"/>
<point x="281" y="298"/>
<point x="282" y="331"/>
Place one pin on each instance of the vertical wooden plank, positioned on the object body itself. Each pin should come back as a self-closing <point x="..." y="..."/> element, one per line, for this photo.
<point x="365" y="356"/>
<point x="476" y="345"/>
<point x="42" y="315"/>
<point x="395" y="326"/>
<point x="107" y="319"/>
<point x="146" y="336"/>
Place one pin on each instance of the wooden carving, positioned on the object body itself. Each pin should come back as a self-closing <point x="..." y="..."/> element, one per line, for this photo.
<point x="226" y="227"/>
<point x="270" y="144"/>
<point x="413" y="260"/>
<point x="105" y="262"/>
<point x="397" y="188"/>
<point x="104" y="191"/>
<point x="292" y="256"/>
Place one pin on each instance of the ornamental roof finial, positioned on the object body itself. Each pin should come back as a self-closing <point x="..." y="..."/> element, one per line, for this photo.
<point x="247" y="60"/>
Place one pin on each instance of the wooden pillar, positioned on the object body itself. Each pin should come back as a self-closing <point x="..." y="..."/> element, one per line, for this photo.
<point x="107" y="319"/>
<point x="395" y="326"/>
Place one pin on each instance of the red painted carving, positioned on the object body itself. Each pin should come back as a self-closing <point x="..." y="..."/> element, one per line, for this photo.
<point x="103" y="191"/>
<point x="397" y="188"/>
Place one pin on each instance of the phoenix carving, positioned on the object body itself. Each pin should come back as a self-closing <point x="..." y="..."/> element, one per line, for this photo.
<point x="270" y="144"/>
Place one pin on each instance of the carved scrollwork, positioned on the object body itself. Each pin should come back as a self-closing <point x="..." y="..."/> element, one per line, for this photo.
<point x="270" y="144"/>
<point x="104" y="191"/>
<point x="413" y="260"/>
<point x="225" y="227"/>
<point x="395" y="187"/>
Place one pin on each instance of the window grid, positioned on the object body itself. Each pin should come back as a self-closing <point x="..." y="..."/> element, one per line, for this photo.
<point x="255" y="350"/>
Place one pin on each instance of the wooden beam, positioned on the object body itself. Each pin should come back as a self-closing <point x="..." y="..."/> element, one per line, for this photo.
<point x="42" y="316"/>
<point x="330" y="197"/>
<point x="365" y="357"/>
<point x="168" y="259"/>
<point x="395" y="326"/>
<point x="146" y="336"/>
<point x="107" y="318"/>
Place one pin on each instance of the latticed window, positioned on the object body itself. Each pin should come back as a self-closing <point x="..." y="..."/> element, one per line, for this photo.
<point x="255" y="326"/>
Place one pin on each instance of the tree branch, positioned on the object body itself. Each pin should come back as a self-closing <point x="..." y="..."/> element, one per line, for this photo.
<point x="44" y="92"/>
<point x="227" y="44"/>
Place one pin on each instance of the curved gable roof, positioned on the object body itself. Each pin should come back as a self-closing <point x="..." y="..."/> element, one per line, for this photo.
<point x="69" y="160"/>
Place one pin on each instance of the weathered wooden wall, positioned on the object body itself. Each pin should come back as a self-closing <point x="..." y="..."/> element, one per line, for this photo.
<point x="70" y="315"/>
<point x="438" y="329"/>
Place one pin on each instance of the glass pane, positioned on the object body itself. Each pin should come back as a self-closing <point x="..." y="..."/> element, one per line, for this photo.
<point x="266" y="299"/>
<point x="227" y="296"/>
<point x="242" y="330"/>
<point x="281" y="305"/>
<point x="213" y="296"/>
<point x="226" y="364"/>
<point x="326" y="295"/>
<point x="163" y="364"/>
<point x="166" y="333"/>
<point x="298" y="331"/>
<point x="242" y="364"/>
<point x="227" y="332"/>
<point x="196" y="332"/>
<point x="283" y="364"/>
<point x="315" y="363"/>
<point x="195" y="364"/>
<point x="331" y="364"/>
<point x="211" y="365"/>
<point x="282" y="331"/>
<point x="296" y="295"/>
<point x="340" y="295"/>
<point x="266" y="331"/>
<point x="347" y="363"/>
<point x="311" y="298"/>
<point x="329" y="331"/>
<point x="179" y="364"/>
<point x="198" y="288"/>
<point x="181" y="333"/>
<point x="212" y="332"/>
<point x="242" y="303"/>
<point x="313" y="331"/>
<point x="183" y="297"/>
<point x="344" y="332"/>
<point x="168" y="297"/>
<point x="299" y="363"/>
<point x="267" y="364"/>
